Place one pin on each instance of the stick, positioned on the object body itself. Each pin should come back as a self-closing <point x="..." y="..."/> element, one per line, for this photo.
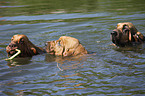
<point x="12" y="57"/>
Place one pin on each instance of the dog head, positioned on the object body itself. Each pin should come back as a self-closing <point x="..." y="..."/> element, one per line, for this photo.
<point x="123" y="34"/>
<point x="22" y="43"/>
<point x="54" y="47"/>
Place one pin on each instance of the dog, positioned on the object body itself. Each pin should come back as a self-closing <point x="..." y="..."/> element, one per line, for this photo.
<point x="126" y="35"/>
<point x="21" y="42"/>
<point x="65" y="46"/>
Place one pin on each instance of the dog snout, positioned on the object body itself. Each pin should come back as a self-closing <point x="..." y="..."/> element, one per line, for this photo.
<point x="12" y="45"/>
<point x="114" y="33"/>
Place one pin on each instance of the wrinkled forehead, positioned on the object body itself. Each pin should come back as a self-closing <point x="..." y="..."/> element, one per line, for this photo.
<point x="17" y="38"/>
<point x="121" y="25"/>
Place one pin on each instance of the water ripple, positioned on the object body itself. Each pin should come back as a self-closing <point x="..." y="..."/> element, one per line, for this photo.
<point x="53" y="16"/>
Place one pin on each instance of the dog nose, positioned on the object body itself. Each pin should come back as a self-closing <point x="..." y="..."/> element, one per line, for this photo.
<point x="114" y="33"/>
<point x="12" y="45"/>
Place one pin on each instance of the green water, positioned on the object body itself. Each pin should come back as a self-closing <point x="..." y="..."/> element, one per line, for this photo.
<point x="112" y="71"/>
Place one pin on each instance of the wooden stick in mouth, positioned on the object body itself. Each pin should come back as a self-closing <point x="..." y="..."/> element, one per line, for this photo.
<point x="12" y="57"/>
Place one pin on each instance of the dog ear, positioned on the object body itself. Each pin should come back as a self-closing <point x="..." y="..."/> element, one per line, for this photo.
<point x="130" y="36"/>
<point x="34" y="50"/>
<point x="139" y="37"/>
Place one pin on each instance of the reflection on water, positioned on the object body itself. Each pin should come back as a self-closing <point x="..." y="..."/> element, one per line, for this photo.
<point x="110" y="71"/>
<point x="18" y="62"/>
<point x="66" y="63"/>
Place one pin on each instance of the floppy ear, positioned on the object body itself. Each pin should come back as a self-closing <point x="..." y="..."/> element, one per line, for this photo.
<point x="34" y="50"/>
<point x="130" y="36"/>
<point x="139" y="37"/>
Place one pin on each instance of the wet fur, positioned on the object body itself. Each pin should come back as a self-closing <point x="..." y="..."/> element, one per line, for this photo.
<point x="65" y="46"/>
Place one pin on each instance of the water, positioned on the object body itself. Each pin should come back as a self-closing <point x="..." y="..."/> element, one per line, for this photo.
<point x="111" y="71"/>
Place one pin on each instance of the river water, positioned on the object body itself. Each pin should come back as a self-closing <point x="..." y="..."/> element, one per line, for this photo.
<point x="110" y="71"/>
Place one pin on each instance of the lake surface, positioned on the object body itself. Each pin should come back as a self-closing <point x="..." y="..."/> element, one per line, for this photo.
<point x="111" y="71"/>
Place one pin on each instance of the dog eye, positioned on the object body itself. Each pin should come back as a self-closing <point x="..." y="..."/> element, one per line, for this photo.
<point x="12" y="39"/>
<point x="59" y="43"/>
<point x="125" y="29"/>
<point x="21" y="41"/>
<point x="114" y="33"/>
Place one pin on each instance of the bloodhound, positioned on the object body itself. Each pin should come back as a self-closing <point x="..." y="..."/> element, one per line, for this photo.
<point x="126" y="35"/>
<point x="27" y="48"/>
<point x="65" y="46"/>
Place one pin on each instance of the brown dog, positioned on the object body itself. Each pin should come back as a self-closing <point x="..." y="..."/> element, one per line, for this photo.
<point x="126" y="35"/>
<point x="22" y="43"/>
<point x="65" y="46"/>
